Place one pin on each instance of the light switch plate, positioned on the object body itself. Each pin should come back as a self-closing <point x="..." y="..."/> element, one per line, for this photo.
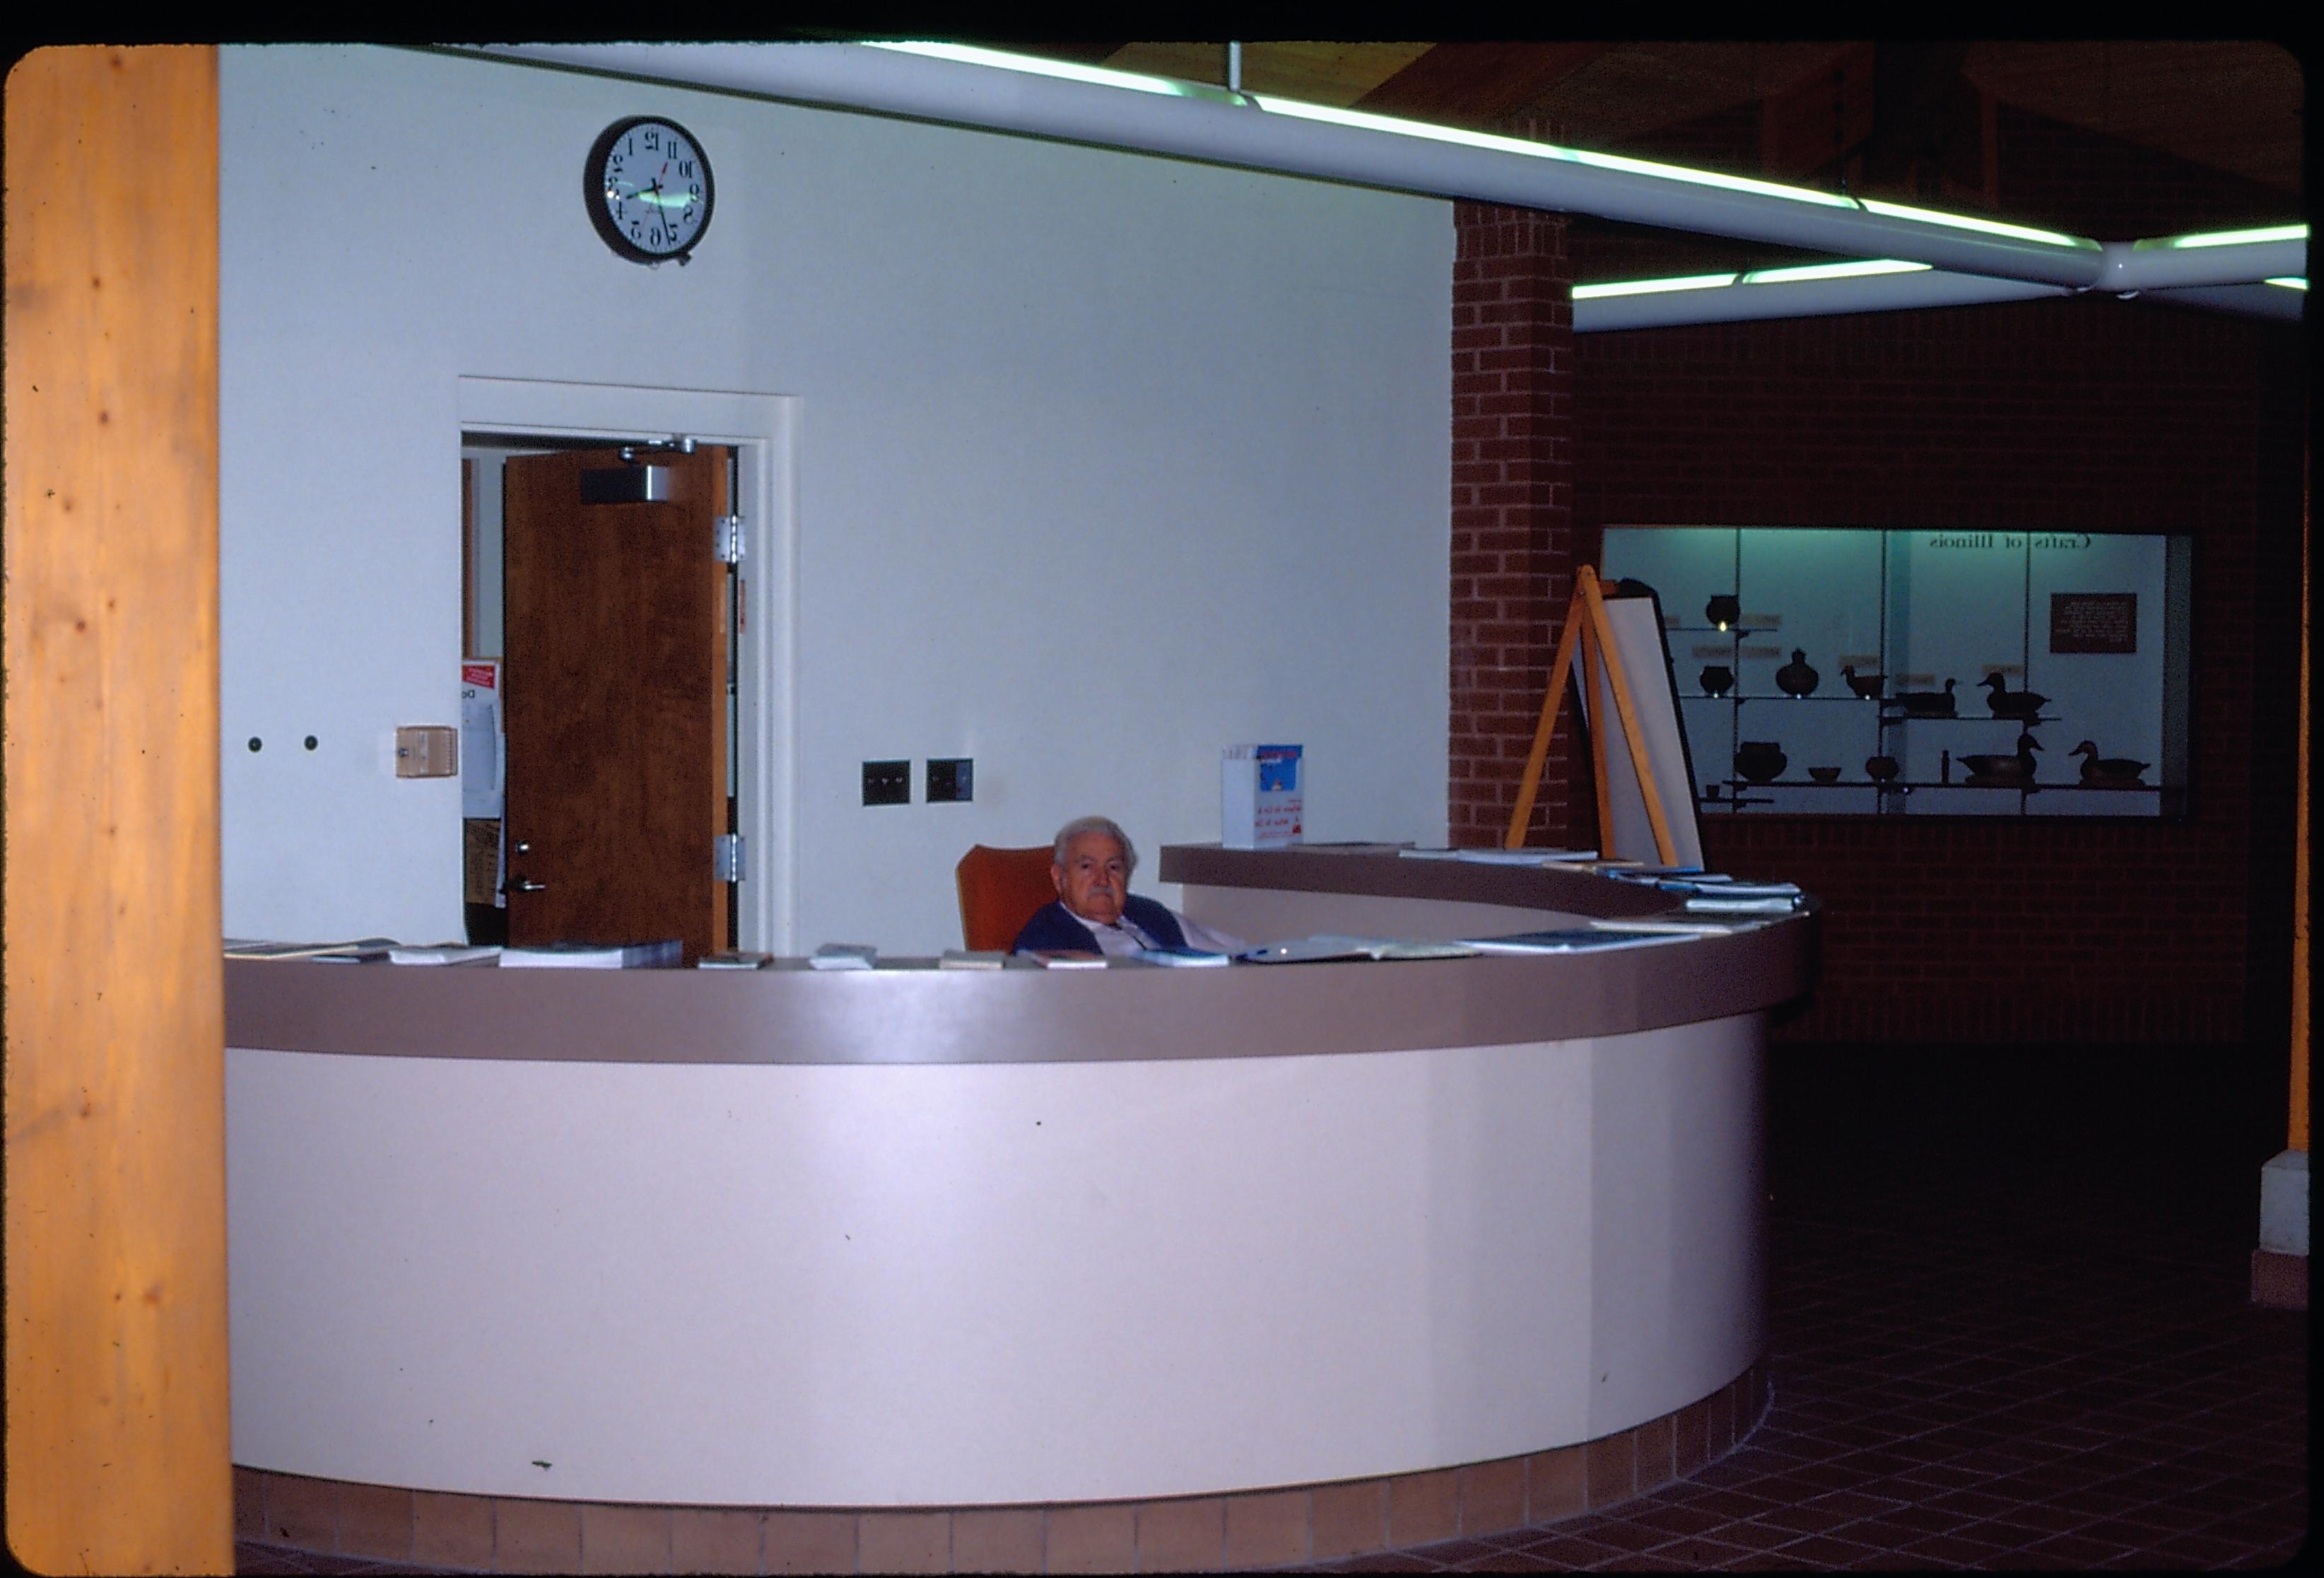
<point x="887" y="783"/>
<point x="951" y="778"/>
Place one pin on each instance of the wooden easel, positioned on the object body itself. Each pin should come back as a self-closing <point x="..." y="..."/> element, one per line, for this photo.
<point x="1586" y="631"/>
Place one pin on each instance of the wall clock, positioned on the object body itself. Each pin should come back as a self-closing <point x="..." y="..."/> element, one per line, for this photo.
<point x="649" y="189"/>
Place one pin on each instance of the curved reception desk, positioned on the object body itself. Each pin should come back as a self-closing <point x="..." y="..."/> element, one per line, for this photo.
<point x="1084" y="1241"/>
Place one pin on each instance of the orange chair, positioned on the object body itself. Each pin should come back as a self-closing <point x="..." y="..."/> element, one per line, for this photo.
<point x="1000" y="890"/>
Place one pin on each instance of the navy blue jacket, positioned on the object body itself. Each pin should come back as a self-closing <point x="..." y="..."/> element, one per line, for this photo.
<point x="1052" y="926"/>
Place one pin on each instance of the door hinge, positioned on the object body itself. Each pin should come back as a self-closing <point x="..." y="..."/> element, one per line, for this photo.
<point x="726" y="857"/>
<point x="726" y="534"/>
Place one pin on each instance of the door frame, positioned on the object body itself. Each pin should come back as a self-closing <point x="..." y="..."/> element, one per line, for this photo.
<point x="762" y="429"/>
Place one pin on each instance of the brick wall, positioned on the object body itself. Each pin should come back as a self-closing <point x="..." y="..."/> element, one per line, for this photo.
<point x="2102" y="416"/>
<point x="1512" y="552"/>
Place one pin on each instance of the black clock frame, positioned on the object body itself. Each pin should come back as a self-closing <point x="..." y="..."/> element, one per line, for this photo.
<point x="593" y="190"/>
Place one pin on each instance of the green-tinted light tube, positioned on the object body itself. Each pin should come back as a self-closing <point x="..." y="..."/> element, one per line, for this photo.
<point x="1035" y="65"/>
<point x="1651" y="287"/>
<point x="1834" y="271"/>
<point x="2240" y="237"/>
<point x="1968" y="222"/>
<point x="2288" y="281"/>
<point x="1300" y="110"/>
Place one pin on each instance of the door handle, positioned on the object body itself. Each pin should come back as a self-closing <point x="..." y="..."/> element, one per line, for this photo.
<point x="518" y="885"/>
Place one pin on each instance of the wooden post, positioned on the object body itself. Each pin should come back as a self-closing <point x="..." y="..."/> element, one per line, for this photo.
<point x="118" y="1444"/>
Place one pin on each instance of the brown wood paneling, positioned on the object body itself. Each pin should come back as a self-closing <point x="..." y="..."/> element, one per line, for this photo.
<point x="1478" y="83"/>
<point x="116" y="1342"/>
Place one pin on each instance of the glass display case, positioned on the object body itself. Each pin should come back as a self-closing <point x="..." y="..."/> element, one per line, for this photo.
<point x="1970" y="672"/>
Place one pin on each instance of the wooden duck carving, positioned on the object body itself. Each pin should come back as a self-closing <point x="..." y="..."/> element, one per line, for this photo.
<point x="1867" y="686"/>
<point x="2005" y="770"/>
<point x="2106" y="769"/>
<point x="1925" y="704"/>
<point x="2023" y="704"/>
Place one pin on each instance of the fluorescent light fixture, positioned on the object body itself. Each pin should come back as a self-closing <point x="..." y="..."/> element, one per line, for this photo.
<point x="1298" y="109"/>
<point x="1653" y="287"/>
<point x="1395" y="125"/>
<point x="1833" y="271"/>
<point x="1861" y="269"/>
<point x="2234" y="237"/>
<point x="1970" y="222"/>
<point x="2288" y="281"/>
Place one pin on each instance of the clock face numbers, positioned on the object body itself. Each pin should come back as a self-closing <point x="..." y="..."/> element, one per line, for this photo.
<point x="650" y="189"/>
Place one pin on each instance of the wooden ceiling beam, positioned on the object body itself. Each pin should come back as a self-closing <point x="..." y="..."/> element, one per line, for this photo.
<point x="1478" y="83"/>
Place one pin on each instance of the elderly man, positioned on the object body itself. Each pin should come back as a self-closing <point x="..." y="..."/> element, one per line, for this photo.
<point x="1096" y="912"/>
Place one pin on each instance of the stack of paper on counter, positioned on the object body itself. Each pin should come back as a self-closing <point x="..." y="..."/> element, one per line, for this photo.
<point x="1572" y="940"/>
<point x="1183" y="958"/>
<point x="1676" y="925"/>
<point x="444" y="954"/>
<point x="973" y="959"/>
<point x="733" y="960"/>
<point x="1320" y="949"/>
<point x="1068" y="958"/>
<point x="844" y="957"/>
<point x="667" y="953"/>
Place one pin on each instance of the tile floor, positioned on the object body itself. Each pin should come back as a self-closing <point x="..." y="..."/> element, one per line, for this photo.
<point x="2010" y="1328"/>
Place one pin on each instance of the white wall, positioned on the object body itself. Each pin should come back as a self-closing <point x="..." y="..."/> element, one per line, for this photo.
<point x="1103" y="462"/>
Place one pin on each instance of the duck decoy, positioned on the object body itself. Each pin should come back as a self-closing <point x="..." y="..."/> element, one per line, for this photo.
<point x="2005" y="770"/>
<point x="1796" y="678"/>
<point x="1925" y="704"/>
<point x="2023" y="704"/>
<point x="1867" y="686"/>
<point x="2106" y="769"/>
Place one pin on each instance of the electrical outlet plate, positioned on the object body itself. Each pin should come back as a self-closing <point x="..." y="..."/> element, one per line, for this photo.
<point x="887" y="783"/>
<point x="951" y="778"/>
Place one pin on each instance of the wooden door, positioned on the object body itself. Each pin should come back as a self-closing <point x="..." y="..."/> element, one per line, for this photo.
<point x="615" y="699"/>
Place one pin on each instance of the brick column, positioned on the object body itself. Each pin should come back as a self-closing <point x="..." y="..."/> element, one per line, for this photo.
<point x="1513" y="541"/>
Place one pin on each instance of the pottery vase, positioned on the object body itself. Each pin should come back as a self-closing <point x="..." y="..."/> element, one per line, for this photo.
<point x="1760" y="761"/>
<point x="1717" y="680"/>
<point x="1796" y="678"/>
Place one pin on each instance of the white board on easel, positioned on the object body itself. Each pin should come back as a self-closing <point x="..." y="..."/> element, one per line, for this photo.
<point x="1634" y="620"/>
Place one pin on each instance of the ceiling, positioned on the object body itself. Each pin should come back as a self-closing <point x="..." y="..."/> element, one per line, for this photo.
<point x="2220" y="123"/>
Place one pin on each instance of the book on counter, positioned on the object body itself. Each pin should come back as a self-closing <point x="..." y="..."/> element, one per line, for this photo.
<point x="1717" y="903"/>
<point x="973" y="959"/>
<point x="844" y="957"/>
<point x="249" y="948"/>
<point x="1068" y="958"/>
<point x="733" y="960"/>
<point x="1327" y="947"/>
<point x="667" y="953"/>
<point x="1183" y="958"/>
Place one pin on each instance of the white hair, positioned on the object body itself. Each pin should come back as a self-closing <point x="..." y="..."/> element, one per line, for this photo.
<point x="1105" y="824"/>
